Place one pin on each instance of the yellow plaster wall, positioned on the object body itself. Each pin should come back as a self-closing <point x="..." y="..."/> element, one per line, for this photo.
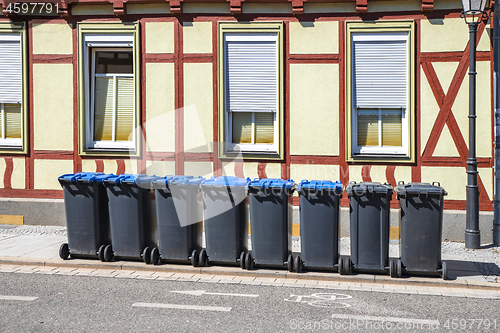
<point x="444" y="35"/>
<point x="251" y="170"/>
<point x="204" y="169"/>
<point x="453" y="180"/>
<point x="314" y="112"/>
<point x="153" y="8"/>
<point x="429" y="110"/>
<point x="485" y="43"/>
<point x="2" y="171"/>
<point x="402" y="173"/>
<point x="160" y="168"/>
<point x="445" y="145"/>
<point x="47" y="171"/>
<point x="160" y="104"/>
<point x="197" y="37"/>
<point x="110" y="166"/>
<point x="131" y="166"/>
<point x="89" y="166"/>
<point x="273" y="170"/>
<point x="206" y="8"/>
<point x="445" y="72"/>
<point x="160" y="37"/>
<point x="267" y="8"/>
<point x="198" y="96"/>
<point x="342" y="7"/>
<point x="483" y="109"/>
<point x="484" y="140"/>
<point x="228" y="169"/>
<point x="394" y="6"/>
<point x="92" y="10"/>
<point x="486" y="175"/>
<point x="53" y="106"/>
<point x="52" y="39"/>
<point x="299" y="172"/>
<point x="314" y="37"/>
<point x="18" y="179"/>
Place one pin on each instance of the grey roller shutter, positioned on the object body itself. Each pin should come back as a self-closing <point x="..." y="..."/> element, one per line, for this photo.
<point x="10" y="68"/>
<point x="380" y="67"/>
<point x="251" y="72"/>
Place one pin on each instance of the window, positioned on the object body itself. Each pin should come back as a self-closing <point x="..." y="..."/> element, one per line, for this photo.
<point x="110" y="105"/>
<point x="380" y="90"/>
<point x="251" y="90"/>
<point x="12" y="92"/>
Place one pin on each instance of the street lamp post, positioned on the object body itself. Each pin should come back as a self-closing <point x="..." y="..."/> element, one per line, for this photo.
<point x="471" y="10"/>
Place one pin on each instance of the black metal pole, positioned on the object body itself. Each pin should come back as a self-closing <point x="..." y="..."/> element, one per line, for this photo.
<point x="472" y="235"/>
<point x="496" y="94"/>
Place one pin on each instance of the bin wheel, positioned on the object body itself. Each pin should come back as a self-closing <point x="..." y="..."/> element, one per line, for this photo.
<point x="444" y="272"/>
<point x="203" y="258"/>
<point x="341" y="266"/>
<point x="146" y="255"/>
<point x="248" y="261"/>
<point x="100" y="253"/>
<point x="108" y="253"/>
<point x="155" y="256"/>
<point x="64" y="251"/>
<point x="392" y="268"/>
<point x="242" y="260"/>
<point x="347" y="266"/>
<point x="289" y="263"/>
<point x="297" y="264"/>
<point x="399" y="268"/>
<point x="194" y="258"/>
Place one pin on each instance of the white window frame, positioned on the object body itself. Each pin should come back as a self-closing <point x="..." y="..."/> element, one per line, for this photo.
<point x="10" y="142"/>
<point x="104" y="42"/>
<point x="257" y="148"/>
<point x="380" y="150"/>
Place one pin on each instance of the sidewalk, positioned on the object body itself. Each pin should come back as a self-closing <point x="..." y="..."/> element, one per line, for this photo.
<point x="36" y="249"/>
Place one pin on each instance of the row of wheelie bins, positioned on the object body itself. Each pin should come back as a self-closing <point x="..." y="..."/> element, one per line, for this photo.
<point x="112" y="216"/>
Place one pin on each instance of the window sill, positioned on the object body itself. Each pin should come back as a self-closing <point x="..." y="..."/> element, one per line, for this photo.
<point x="250" y="155"/>
<point x="381" y="158"/>
<point x="110" y="152"/>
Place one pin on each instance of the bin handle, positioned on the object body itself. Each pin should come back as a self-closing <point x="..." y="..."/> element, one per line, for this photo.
<point x="436" y="184"/>
<point x="401" y="182"/>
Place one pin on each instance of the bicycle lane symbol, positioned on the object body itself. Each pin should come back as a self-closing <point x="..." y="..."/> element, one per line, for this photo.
<point x="323" y="300"/>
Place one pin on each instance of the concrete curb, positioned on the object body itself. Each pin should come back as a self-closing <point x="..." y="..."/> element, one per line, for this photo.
<point x="406" y="281"/>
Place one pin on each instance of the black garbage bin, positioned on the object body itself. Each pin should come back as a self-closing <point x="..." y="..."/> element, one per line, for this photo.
<point x="369" y="204"/>
<point x="87" y="219"/>
<point x="271" y="209"/>
<point x="132" y="225"/>
<point x="179" y="220"/>
<point x="421" y="229"/>
<point x="319" y="224"/>
<point x="226" y="225"/>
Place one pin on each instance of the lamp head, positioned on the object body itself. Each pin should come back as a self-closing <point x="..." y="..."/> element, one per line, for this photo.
<point x="473" y="7"/>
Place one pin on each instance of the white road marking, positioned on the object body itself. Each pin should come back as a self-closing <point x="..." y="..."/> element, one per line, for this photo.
<point x="322" y="300"/>
<point x="387" y="319"/>
<point x="183" y="307"/>
<point x="203" y="292"/>
<point x="17" y="298"/>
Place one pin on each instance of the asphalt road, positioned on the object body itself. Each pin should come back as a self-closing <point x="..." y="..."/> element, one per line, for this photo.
<point x="53" y="303"/>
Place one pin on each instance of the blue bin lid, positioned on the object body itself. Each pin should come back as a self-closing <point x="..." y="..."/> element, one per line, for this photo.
<point x="184" y="180"/>
<point x="266" y="183"/>
<point x="226" y="181"/>
<point x="136" y="179"/>
<point x="89" y="177"/>
<point x="320" y="185"/>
